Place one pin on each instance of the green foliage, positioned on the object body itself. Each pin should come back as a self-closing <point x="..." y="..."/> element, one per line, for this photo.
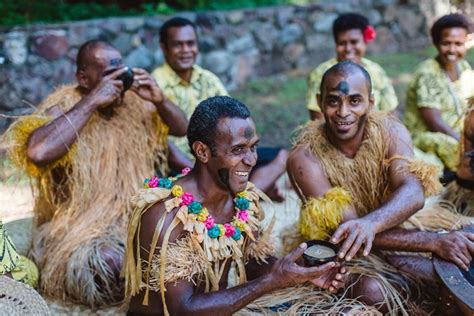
<point x="47" y="11"/>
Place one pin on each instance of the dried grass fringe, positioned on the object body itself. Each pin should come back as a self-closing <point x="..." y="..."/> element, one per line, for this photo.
<point x="366" y="175"/>
<point x="91" y="203"/>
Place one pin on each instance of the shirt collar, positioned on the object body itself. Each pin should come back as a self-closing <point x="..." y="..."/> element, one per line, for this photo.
<point x="176" y="80"/>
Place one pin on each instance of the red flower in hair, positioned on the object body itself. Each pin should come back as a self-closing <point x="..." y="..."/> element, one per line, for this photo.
<point x="369" y="34"/>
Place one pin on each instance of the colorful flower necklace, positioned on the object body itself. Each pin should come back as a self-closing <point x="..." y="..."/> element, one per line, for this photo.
<point x="232" y="230"/>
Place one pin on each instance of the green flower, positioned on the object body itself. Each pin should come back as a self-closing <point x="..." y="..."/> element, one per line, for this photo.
<point x="165" y="183"/>
<point x="213" y="232"/>
<point x="194" y="207"/>
<point x="242" y="203"/>
<point x="237" y="235"/>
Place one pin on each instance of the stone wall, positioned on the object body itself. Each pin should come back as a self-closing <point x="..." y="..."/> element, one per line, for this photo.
<point x="236" y="45"/>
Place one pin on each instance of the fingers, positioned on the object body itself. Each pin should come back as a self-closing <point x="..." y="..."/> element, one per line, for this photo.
<point x="460" y="263"/>
<point x="368" y="246"/>
<point x="355" y="247"/>
<point x="297" y="252"/>
<point x="469" y="236"/>
<point x="115" y="74"/>
<point x="347" y="244"/>
<point x="339" y="234"/>
<point x="314" y="272"/>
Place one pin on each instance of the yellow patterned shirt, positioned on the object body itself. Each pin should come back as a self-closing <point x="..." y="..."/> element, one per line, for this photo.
<point x="382" y="89"/>
<point x="203" y="84"/>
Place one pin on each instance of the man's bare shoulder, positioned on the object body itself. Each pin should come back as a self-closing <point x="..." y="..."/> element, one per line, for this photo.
<point x="301" y="160"/>
<point x="398" y="134"/>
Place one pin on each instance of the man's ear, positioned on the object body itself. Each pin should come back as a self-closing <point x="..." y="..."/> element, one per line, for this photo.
<point x="82" y="79"/>
<point x="202" y="151"/>
<point x="371" y="101"/>
<point x="318" y="100"/>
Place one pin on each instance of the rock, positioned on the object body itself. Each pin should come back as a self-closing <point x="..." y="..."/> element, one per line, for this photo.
<point x="208" y="20"/>
<point x="235" y="17"/>
<point x="324" y="23"/>
<point x="293" y="52"/>
<point x="245" y="65"/>
<point x="207" y="43"/>
<point x="390" y="13"/>
<point x="141" y="57"/>
<point x="77" y="34"/>
<point x="218" y="61"/>
<point x="290" y="33"/>
<point x="410" y="23"/>
<point x="241" y="44"/>
<point x="284" y="15"/>
<point x="318" y="41"/>
<point x="374" y="17"/>
<point x="123" y="43"/>
<point x="265" y="14"/>
<point x="159" y="57"/>
<point x="15" y="47"/>
<point x="133" y="24"/>
<point x="112" y="26"/>
<point x="266" y="35"/>
<point x="385" y="42"/>
<point x="63" y="71"/>
<point x="136" y="40"/>
<point x="50" y="45"/>
<point x="153" y="23"/>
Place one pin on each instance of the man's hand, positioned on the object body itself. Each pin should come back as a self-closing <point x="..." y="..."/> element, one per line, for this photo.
<point x="334" y="280"/>
<point x="146" y="87"/>
<point x="107" y="90"/>
<point x="355" y="233"/>
<point x="456" y="247"/>
<point x="285" y="272"/>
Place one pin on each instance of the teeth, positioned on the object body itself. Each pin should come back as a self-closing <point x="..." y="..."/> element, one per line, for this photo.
<point x="244" y="174"/>
<point x="343" y="123"/>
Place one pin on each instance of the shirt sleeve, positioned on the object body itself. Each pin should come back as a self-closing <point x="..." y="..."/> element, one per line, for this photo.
<point x="388" y="97"/>
<point x="314" y="82"/>
<point x="428" y="91"/>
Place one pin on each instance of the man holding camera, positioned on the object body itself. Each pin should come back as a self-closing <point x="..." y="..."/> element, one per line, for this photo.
<point x="87" y="148"/>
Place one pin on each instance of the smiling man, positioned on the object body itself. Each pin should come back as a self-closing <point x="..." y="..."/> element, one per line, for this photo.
<point x="186" y="84"/>
<point x="84" y="150"/>
<point x="187" y="233"/>
<point x="352" y="33"/>
<point x="357" y="179"/>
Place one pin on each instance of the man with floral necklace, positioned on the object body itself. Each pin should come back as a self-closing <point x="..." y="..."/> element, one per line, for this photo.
<point x="187" y="234"/>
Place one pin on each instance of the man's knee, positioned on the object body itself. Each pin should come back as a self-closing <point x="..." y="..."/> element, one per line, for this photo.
<point x="369" y="291"/>
<point x="113" y="259"/>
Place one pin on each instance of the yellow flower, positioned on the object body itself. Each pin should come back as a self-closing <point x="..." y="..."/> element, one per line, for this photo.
<point x="221" y="230"/>
<point x="239" y="224"/>
<point x="177" y="190"/>
<point x="203" y="215"/>
<point x="243" y="194"/>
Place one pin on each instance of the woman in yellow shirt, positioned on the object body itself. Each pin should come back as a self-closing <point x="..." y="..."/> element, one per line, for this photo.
<point x="437" y="94"/>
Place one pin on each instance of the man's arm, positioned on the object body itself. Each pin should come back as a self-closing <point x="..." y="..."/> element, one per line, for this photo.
<point x="434" y="122"/>
<point x="182" y="297"/>
<point x="456" y="246"/>
<point x="177" y="160"/>
<point x="147" y="88"/>
<point x="406" y="199"/>
<point x="53" y="140"/>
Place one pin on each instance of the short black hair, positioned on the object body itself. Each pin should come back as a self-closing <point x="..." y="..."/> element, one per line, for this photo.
<point x="349" y="21"/>
<point x="203" y="123"/>
<point x="176" y="21"/>
<point x="87" y="48"/>
<point x="448" y="21"/>
<point x="346" y="67"/>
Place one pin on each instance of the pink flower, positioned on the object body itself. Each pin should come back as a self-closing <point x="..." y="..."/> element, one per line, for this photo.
<point x="185" y="171"/>
<point x="243" y="216"/>
<point x="209" y="222"/>
<point x="186" y="198"/>
<point x="153" y="183"/>
<point x="229" y="230"/>
<point x="369" y="34"/>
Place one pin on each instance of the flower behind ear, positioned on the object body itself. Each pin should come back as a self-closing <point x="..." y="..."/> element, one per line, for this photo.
<point x="369" y="34"/>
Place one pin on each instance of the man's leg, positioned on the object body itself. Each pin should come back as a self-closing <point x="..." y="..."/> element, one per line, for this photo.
<point x="267" y="173"/>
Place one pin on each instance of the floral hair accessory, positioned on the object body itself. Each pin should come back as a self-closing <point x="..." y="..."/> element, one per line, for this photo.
<point x="369" y="34"/>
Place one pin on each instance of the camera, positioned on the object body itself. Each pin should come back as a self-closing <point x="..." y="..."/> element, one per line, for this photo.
<point x="127" y="79"/>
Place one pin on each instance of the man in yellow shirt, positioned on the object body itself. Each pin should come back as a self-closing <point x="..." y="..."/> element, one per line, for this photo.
<point x="186" y="84"/>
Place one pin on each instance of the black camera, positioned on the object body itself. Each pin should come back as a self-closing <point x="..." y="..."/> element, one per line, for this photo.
<point x="127" y="78"/>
